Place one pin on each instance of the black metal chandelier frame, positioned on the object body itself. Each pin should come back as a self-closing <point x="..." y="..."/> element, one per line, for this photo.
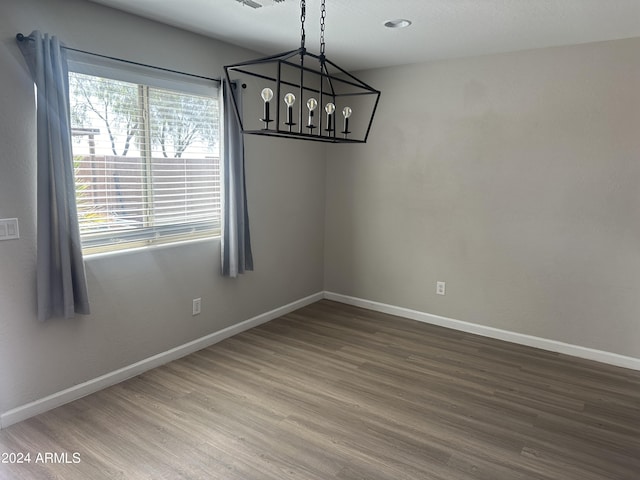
<point x="327" y="80"/>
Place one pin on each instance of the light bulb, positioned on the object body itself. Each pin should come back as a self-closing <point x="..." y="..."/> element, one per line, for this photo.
<point x="346" y="113"/>
<point x="289" y="99"/>
<point x="330" y="108"/>
<point x="267" y="94"/>
<point x="312" y="103"/>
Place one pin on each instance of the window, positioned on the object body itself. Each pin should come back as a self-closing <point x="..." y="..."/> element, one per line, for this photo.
<point x="146" y="159"/>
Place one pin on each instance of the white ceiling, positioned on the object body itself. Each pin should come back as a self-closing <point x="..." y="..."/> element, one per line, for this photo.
<point x="356" y="38"/>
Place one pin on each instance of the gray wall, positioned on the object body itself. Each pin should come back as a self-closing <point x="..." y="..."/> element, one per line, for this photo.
<point x="515" y="178"/>
<point x="141" y="301"/>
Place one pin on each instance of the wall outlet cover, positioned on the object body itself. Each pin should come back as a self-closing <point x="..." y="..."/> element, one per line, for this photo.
<point x="197" y="306"/>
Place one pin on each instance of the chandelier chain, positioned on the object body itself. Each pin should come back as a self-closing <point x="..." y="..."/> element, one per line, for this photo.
<point x="303" y="17"/>
<point x="323" y="16"/>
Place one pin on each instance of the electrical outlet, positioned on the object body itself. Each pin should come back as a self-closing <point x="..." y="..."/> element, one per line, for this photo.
<point x="197" y="306"/>
<point x="9" y="229"/>
<point x="440" y="288"/>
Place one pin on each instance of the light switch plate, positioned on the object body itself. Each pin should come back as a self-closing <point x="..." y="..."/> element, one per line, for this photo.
<point x="9" y="229"/>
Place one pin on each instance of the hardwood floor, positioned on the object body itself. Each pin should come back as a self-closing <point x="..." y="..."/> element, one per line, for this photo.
<point x="337" y="392"/>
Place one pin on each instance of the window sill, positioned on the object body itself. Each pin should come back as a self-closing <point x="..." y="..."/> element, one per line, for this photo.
<point x="150" y="248"/>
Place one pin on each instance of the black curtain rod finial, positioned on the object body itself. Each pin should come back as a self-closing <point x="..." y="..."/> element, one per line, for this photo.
<point x="20" y="37"/>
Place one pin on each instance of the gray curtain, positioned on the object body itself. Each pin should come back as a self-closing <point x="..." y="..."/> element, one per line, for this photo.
<point x="61" y="282"/>
<point x="236" y="240"/>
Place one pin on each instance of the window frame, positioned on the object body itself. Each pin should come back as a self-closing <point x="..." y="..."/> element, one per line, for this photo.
<point x="149" y="77"/>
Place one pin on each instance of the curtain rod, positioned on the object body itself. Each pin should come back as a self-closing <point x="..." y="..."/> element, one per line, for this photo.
<point x="21" y="38"/>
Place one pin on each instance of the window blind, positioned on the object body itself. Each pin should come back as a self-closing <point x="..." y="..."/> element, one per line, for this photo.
<point x="146" y="162"/>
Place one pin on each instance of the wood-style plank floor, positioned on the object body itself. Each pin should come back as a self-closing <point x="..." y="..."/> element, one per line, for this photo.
<point x="337" y="392"/>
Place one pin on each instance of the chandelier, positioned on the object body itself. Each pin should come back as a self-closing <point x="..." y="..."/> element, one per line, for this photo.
<point x="297" y="94"/>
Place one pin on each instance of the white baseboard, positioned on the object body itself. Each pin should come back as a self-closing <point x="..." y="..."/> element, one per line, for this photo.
<point x="514" y="337"/>
<point x="78" y="391"/>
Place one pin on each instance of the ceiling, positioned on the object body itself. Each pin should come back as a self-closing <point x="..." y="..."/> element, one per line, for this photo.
<point x="357" y="39"/>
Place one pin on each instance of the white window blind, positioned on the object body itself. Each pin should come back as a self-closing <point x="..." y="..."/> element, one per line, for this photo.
<point x="146" y="161"/>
